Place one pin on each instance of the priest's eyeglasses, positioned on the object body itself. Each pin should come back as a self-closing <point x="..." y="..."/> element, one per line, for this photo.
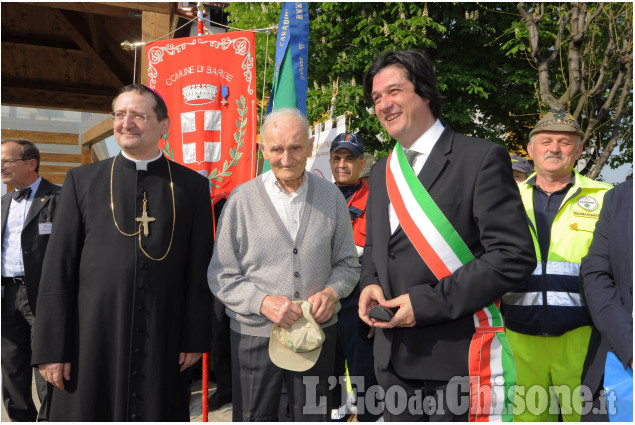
<point x="137" y="118"/>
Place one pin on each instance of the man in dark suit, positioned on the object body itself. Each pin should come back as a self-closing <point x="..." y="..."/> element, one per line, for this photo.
<point x="27" y="219"/>
<point x="425" y="344"/>
<point x="606" y="282"/>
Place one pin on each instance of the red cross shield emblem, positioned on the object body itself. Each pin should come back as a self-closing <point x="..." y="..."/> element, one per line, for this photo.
<point x="201" y="136"/>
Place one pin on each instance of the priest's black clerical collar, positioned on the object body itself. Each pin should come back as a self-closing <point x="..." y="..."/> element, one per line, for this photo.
<point x="350" y="189"/>
<point x="142" y="165"/>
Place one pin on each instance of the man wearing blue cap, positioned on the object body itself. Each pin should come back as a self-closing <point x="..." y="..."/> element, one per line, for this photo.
<point x="521" y="168"/>
<point x="354" y="343"/>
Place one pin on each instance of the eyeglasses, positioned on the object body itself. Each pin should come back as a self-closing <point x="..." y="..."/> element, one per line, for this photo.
<point x="137" y="118"/>
<point x="6" y="162"/>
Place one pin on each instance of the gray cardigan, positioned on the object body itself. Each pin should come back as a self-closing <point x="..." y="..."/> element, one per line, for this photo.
<point x="254" y="255"/>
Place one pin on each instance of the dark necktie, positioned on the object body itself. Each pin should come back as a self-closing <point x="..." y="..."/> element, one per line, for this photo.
<point x="410" y="156"/>
<point x="18" y="195"/>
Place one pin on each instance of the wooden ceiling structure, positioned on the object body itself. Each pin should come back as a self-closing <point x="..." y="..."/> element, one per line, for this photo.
<point x="68" y="56"/>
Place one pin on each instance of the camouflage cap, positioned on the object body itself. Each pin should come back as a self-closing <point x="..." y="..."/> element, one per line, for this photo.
<point x="557" y="120"/>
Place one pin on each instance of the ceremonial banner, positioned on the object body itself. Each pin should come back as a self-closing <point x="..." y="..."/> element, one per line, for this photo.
<point x="208" y="83"/>
<point x="323" y="134"/>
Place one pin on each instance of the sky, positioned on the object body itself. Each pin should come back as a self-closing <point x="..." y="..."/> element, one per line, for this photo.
<point x="617" y="175"/>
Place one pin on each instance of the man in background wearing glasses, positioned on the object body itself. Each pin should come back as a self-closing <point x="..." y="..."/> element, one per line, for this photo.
<point x="123" y="307"/>
<point x="27" y="219"/>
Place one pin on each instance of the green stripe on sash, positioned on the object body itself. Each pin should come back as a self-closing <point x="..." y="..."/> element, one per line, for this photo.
<point x="433" y="212"/>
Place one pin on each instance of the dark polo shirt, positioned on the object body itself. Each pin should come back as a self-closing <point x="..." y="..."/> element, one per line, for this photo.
<point x="545" y="209"/>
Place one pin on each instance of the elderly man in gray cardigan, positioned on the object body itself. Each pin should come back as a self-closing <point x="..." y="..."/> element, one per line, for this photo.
<point x="282" y="237"/>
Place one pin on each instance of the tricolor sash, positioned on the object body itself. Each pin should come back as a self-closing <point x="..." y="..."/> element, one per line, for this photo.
<point x="491" y="363"/>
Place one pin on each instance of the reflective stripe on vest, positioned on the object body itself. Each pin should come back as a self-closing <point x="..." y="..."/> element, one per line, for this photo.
<point x="561" y="268"/>
<point x="554" y="298"/>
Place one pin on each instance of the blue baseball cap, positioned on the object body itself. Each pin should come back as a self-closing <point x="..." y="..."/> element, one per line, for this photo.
<point x="350" y="141"/>
<point x="521" y="164"/>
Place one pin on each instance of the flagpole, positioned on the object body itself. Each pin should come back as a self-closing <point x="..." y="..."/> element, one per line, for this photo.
<point x="205" y="378"/>
<point x="200" y="16"/>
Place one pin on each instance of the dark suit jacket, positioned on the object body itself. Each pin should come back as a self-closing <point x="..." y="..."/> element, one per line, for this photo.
<point x="606" y="283"/>
<point x="471" y="182"/>
<point x="34" y="244"/>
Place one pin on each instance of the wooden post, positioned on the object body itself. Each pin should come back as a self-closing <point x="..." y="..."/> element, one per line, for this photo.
<point x="86" y="154"/>
<point x="153" y="26"/>
<point x="96" y="134"/>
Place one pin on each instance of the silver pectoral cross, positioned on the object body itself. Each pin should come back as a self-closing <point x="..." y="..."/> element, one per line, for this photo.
<point x="145" y="219"/>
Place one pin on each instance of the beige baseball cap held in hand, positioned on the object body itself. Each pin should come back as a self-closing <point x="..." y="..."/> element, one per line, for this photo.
<point x="298" y="347"/>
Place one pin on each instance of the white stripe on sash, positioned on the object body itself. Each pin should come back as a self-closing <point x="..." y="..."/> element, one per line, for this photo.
<point x="423" y="223"/>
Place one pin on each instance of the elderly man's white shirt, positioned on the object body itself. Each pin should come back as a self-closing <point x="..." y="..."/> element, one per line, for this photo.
<point x="289" y="205"/>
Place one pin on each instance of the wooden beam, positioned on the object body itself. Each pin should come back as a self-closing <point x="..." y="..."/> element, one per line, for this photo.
<point x="163" y="8"/>
<point x="98" y="133"/>
<point x="115" y="9"/>
<point x="61" y="157"/>
<point x="154" y="25"/>
<point x="56" y="99"/>
<point x="22" y="43"/>
<point x="55" y="178"/>
<point x="95" y="25"/>
<point x="42" y="137"/>
<point x="96" y="8"/>
<point x="124" y="57"/>
<point x="85" y="46"/>
<point x="45" y="168"/>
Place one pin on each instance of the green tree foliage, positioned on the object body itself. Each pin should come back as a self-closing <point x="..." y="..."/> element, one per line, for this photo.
<point x="461" y="39"/>
<point x="583" y="57"/>
<point x="481" y="53"/>
<point x="259" y="16"/>
<point x="487" y="94"/>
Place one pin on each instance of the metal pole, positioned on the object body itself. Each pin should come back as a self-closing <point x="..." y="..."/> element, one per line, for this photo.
<point x="199" y="15"/>
<point x="201" y="31"/>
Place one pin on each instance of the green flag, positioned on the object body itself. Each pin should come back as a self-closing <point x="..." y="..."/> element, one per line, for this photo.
<point x="290" y="82"/>
<point x="284" y="95"/>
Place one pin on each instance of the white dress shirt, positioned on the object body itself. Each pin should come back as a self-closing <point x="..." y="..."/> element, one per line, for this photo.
<point x="289" y="205"/>
<point x="12" y="262"/>
<point x="423" y="145"/>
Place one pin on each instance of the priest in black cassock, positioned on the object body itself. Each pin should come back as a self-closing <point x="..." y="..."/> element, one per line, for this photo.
<point x="123" y="305"/>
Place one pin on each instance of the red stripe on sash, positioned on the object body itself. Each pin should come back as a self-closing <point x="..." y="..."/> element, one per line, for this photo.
<point x="419" y="241"/>
<point x="483" y="318"/>
<point x="480" y="374"/>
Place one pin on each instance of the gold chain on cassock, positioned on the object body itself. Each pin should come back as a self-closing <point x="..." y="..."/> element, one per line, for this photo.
<point x="138" y="232"/>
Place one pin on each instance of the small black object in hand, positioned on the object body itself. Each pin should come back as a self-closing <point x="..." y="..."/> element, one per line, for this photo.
<point x="380" y="313"/>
